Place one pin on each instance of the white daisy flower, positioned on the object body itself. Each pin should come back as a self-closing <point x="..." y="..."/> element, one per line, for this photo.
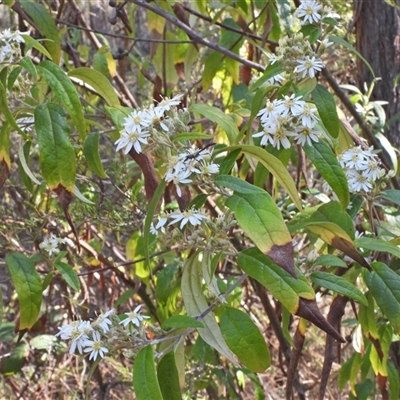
<point x="134" y="317"/>
<point x="133" y="139"/>
<point x="308" y="11"/>
<point x="95" y="347"/>
<point x="307" y="135"/>
<point x="309" y="66"/>
<point x="194" y="217"/>
<point x="165" y="104"/>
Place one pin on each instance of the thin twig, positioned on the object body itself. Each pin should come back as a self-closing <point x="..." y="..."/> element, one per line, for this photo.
<point x="196" y="37"/>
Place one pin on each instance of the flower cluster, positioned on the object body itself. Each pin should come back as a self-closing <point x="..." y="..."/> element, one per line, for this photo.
<point x="51" y="244"/>
<point x="9" y="46"/>
<point x="362" y="168"/>
<point x="138" y="123"/>
<point x="283" y="118"/>
<point x="183" y="166"/>
<point x="295" y="54"/>
<point x="103" y="335"/>
<point x="192" y="216"/>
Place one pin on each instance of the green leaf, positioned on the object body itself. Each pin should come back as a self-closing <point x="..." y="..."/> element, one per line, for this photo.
<point x="328" y="166"/>
<point x="135" y="248"/>
<point x="13" y="363"/>
<point x="13" y="76"/>
<point x="46" y="25"/>
<point x="69" y="274"/>
<point x="339" y="285"/>
<point x="196" y="303"/>
<point x="145" y="381"/>
<point x="4" y="103"/>
<point x="31" y="42"/>
<point x="384" y="285"/>
<point x="348" y="46"/>
<point x="228" y="162"/>
<point x="57" y="155"/>
<point x="275" y="166"/>
<point x="330" y="260"/>
<point x="91" y="152"/>
<point x="214" y="114"/>
<point x="198" y="201"/>
<point x="64" y="89"/>
<point x="392" y="195"/>
<point x="98" y="82"/>
<point x="270" y="71"/>
<point x="244" y="339"/>
<point x="27" y="63"/>
<point x="28" y="285"/>
<point x="256" y="213"/>
<point x="377" y="245"/>
<point x="168" y="377"/>
<point x="326" y="107"/>
<point x="312" y="31"/>
<point x="181" y="321"/>
<point x="191" y="136"/>
<point x="332" y="212"/>
<point x="283" y="286"/>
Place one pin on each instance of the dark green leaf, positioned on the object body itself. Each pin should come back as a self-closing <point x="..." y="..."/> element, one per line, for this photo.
<point x="245" y="339"/>
<point x="279" y="282"/>
<point x="145" y="381"/>
<point x="182" y="321"/>
<point x="168" y="377"/>
<point x="91" y="152"/>
<point x="28" y="285"/>
<point x="69" y="274"/>
<point x="392" y="195"/>
<point x="384" y="285"/>
<point x="57" y="155"/>
<point x="326" y="107"/>
<point x="270" y="71"/>
<point x="46" y="25"/>
<point x="330" y="260"/>
<point x="65" y="91"/>
<point x="328" y="166"/>
<point x="339" y="285"/>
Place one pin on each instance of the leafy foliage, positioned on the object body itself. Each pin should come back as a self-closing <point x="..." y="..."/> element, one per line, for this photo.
<point x="185" y="171"/>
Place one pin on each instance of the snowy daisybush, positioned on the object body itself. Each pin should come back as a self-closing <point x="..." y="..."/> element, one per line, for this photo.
<point x="108" y="333"/>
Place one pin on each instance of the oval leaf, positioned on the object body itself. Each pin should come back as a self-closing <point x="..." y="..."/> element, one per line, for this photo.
<point x="145" y="381"/>
<point x="57" y="155"/>
<point x="283" y="286"/>
<point x="168" y="377"/>
<point x="182" y="321"/>
<point x="46" y="25"/>
<point x="275" y="166"/>
<point x="328" y="166"/>
<point x="326" y="107"/>
<point x="339" y="285"/>
<point x="98" y="82"/>
<point x="64" y="89"/>
<point x="214" y="114"/>
<point x="378" y="245"/>
<point x="69" y="274"/>
<point x="28" y="285"/>
<point x="384" y="285"/>
<point x="196" y="304"/>
<point x="244" y="339"/>
<point x="91" y="152"/>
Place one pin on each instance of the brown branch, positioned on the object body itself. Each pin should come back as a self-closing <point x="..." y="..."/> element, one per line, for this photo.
<point x="196" y="37"/>
<point x="229" y="28"/>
